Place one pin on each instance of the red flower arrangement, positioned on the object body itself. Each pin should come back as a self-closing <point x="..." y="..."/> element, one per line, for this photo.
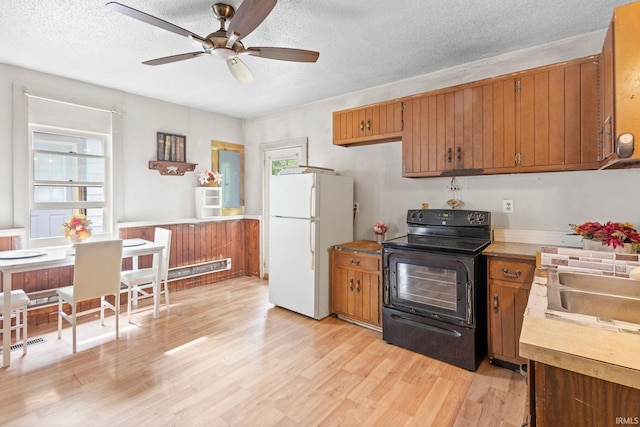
<point x="611" y="233"/>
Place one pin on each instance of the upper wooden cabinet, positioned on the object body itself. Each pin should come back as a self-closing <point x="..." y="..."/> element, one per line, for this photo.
<point x="557" y="108"/>
<point x="369" y="124"/>
<point x="538" y="120"/>
<point x="620" y="89"/>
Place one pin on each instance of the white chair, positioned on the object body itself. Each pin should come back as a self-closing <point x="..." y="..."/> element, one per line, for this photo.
<point x="141" y="282"/>
<point x="96" y="274"/>
<point x="19" y="303"/>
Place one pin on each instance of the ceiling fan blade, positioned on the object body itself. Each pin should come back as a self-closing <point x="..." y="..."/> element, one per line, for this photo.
<point x="173" y="58"/>
<point x="150" y="19"/>
<point x="248" y="16"/>
<point x="239" y="70"/>
<point x="284" y="54"/>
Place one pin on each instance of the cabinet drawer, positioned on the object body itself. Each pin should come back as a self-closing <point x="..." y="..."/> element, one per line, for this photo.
<point x="509" y="270"/>
<point x="355" y="260"/>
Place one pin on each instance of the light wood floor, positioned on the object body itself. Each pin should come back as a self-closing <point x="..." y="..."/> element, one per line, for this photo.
<point x="225" y="356"/>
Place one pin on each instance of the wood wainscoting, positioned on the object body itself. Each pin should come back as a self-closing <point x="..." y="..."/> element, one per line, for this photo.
<point x="191" y="243"/>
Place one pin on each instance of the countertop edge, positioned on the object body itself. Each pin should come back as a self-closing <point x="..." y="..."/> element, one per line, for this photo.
<point x="184" y="221"/>
<point x="512" y="250"/>
<point x="582" y="349"/>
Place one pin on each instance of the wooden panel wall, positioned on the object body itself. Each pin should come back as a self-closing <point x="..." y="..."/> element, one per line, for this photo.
<point x="190" y="244"/>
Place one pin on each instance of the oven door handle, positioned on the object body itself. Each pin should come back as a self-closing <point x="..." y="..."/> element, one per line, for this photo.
<point x="385" y="285"/>
<point x="432" y="328"/>
<point x="469" y="303"/>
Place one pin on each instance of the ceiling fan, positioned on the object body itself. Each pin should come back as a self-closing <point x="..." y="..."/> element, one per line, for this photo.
<point x="225" y="43"/>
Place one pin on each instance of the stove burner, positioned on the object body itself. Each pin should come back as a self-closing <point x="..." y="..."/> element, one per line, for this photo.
<point x="438" y="243"/>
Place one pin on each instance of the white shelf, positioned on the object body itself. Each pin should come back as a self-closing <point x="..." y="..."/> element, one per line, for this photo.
<point x="208" y="202"/>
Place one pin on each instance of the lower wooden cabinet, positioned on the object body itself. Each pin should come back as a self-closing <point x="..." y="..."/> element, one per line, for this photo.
<point x="559" y="397"/>
<point x="509" y="283"/>
<point x="356" y="281"/>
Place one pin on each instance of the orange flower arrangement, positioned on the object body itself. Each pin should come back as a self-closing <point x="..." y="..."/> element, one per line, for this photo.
<point x="78" y="227"/>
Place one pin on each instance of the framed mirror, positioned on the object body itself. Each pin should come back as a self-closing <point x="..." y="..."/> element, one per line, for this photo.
<point x="228" y="159"/>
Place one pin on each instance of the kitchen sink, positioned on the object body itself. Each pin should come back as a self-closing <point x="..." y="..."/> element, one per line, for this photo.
<point x="605" y="297"/>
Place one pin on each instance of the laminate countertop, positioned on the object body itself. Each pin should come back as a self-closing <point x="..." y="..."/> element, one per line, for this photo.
<point x="607" y="354"/>
<point x="512" y="250"/>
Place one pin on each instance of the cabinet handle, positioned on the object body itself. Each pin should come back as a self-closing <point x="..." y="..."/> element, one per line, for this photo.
<point x="607" y="127"/>
<point x="495" y="303"/>
<point x="358" y="285"/>
<point x="514" y="275"/>
<point x="361" y="125"/>
<point x="449" y="155"/>
<point x="459" y="153"/>
<point x="351" y="284"/>
<point x="354" y="261"/>
<point x="517" y="159"/>
<point x="369" y="124"/>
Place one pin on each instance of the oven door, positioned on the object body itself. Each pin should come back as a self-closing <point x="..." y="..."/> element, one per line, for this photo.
<point x="430" y="284"/>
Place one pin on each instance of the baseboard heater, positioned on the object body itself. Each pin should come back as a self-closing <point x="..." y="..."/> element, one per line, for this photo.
<point x="49" y="296"/>
<point x="186" y="271"/>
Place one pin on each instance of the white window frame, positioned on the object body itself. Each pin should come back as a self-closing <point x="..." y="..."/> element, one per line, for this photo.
<point x="106" y="205"/>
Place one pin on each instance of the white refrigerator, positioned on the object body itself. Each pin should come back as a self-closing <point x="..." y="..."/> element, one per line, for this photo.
<point x="308" y="213"/>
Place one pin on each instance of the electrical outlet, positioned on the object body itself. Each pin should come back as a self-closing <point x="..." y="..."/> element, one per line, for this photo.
<point x="508" y="206"/>
<point x="356" y="207"/>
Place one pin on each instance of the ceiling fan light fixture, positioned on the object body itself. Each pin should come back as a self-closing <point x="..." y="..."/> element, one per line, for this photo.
<point x="224" y="53"/>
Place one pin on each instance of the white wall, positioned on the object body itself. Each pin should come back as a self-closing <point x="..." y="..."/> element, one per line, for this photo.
<point x="140" y="193"/>
<point x="544" y="201"/>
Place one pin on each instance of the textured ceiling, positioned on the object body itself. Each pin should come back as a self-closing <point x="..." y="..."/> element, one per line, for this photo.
<point x="362" y="44"/>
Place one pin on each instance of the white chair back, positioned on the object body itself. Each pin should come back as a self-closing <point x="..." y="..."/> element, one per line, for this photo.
<point x="97" y="269"/>
<point x="163" y="236"/>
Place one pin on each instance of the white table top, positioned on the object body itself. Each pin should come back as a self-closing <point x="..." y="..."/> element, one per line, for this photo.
<point x="56" y="256"/>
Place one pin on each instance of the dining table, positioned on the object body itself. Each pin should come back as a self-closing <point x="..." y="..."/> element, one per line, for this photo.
<point x="22" y="260"/>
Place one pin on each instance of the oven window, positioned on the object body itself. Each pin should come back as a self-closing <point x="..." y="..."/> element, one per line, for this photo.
<point x="427" y="285"/>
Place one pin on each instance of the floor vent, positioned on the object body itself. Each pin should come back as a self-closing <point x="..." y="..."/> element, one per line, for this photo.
<point x="18" y="345"/>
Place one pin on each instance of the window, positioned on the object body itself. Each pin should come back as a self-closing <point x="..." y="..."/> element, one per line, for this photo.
<point x="69" y="175"/>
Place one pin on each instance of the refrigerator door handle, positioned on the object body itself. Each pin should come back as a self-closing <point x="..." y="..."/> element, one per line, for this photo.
<point x="312" y="196"/>
<point x="312" y="243"/>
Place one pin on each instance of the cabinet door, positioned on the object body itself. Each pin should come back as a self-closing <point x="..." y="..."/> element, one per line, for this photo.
<point x="366" y="290"/>
<point x="506" y="313"/>
<point x="423" y="144"/>
<point x="509" y="283"/>
<point x="620" y="58"/>
<point x="339" y="290"/>
<point x="499" y="124"/>
<point x="606" y="97"/>
<point x="557" y="116"/>
<point x="464" y="128"/>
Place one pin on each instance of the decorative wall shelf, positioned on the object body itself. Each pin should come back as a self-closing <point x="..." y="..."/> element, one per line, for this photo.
<point x="172" y="168"/>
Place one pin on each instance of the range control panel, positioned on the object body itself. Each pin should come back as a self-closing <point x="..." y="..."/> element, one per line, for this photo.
<point x="446" y="217"/>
